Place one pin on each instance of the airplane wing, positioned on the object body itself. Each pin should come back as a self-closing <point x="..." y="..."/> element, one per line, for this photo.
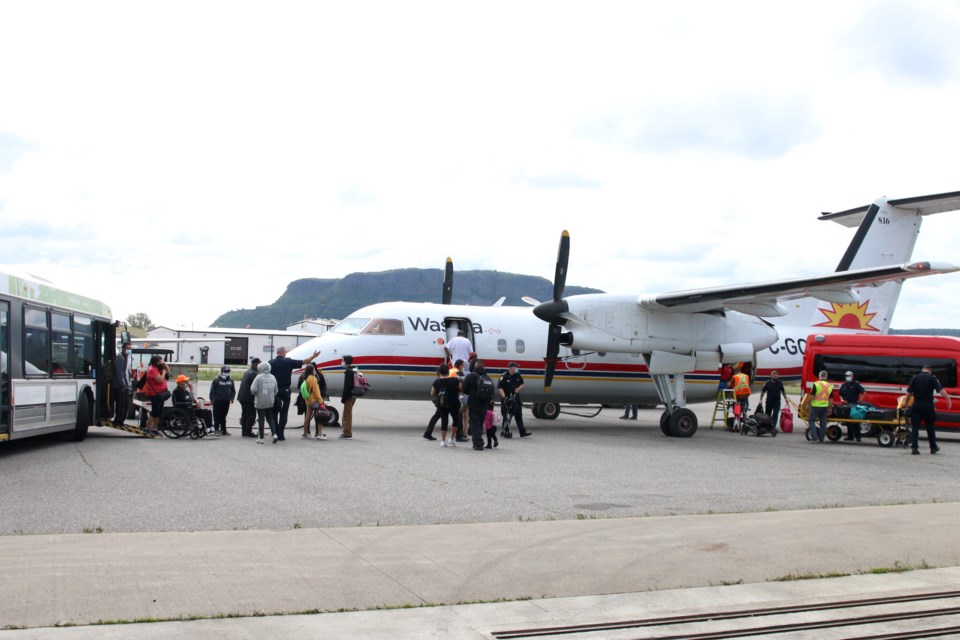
<point x="763" y="298"/>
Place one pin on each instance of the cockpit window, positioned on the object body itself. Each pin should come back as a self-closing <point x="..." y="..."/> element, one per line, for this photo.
<point x="351" y="326"/>
<point x="383" y="327"/>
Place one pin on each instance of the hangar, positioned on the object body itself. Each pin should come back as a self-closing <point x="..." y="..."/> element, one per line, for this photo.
<point x="220" y="345"/>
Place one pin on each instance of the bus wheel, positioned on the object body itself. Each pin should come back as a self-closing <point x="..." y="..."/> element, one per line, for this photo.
<point x="683" y="423"/>
<point x="84" y="417"/>
<point x="665" y="423"/>
<point x="834" y="432"/>
<point x="549" y="410"/>
<point x="885" y="438"/>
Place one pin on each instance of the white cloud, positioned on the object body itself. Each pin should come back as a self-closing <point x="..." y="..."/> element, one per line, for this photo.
<point x="233" y="147"/>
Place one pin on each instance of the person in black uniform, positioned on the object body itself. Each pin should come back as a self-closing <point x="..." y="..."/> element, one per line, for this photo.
<point x="509" y="388"/>
<point x="282" y="369"/>
<point x="851" y="392"/>
<point x="922" y="388"/>
<point x="773" y="390"/>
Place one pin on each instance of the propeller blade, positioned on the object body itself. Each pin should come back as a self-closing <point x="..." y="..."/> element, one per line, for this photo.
<point x="553" y="354"/>
<point x="448" y="283"/>
<point x="563" y="257"/>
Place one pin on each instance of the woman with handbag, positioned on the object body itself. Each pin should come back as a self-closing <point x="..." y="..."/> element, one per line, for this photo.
<point x="155" y="390"/>
<point x="310" y="392"/>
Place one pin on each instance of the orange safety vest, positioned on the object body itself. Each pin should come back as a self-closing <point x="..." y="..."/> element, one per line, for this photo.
<point x="741" y="385"/>
<point x="821" y="394"/>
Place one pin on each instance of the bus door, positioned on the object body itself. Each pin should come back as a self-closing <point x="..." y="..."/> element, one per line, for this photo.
<point x="4" y="369"/>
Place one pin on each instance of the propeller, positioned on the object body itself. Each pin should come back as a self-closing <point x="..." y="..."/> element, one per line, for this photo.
<point x="448" y="283"/>
<point x="552" y="312"/>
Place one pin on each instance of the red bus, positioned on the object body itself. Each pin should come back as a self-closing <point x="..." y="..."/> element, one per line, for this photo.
<point x="884" y="365"/>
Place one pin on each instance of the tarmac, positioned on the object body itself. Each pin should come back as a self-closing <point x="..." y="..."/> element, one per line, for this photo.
<point x="465" y="580"/>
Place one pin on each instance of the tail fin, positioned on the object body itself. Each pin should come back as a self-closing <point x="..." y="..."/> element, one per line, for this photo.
<point x="887" y="232"/>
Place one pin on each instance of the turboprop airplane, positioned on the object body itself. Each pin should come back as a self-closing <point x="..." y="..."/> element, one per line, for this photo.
<point x="681" y="334"/>
<point x="399" y="345"/>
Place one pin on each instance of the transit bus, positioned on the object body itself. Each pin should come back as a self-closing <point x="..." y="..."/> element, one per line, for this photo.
<point x="52" y="346"/>
<point x="884" y="365"/>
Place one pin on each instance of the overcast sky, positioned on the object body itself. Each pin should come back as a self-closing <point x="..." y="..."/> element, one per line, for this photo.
<point x="188" y="158"/>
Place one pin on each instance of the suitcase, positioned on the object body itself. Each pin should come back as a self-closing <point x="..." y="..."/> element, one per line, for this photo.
<point x="786" y="420"/>
<point x="840" y="411"/>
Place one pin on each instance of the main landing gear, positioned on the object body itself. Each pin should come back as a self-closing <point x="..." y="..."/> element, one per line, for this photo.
<point x="676" y="421"/>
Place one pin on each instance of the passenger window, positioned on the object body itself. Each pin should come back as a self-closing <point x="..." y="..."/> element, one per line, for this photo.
<point x="83" y="347"/>
<point x="383" y="327"/>
<point x="521" y="347"/>
<point x="36" y="342"/>
<point x="62" y="365"/>
<point x="502" y="345"/>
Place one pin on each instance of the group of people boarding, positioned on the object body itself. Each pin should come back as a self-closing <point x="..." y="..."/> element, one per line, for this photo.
<point x="466" y="396"/>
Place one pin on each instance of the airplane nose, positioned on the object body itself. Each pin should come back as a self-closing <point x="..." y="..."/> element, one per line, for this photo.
<point x="551" y="311"/>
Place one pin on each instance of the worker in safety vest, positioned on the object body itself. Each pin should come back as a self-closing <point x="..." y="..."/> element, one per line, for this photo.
<point x="820" y="394"/>
<point x="740" y="383"/>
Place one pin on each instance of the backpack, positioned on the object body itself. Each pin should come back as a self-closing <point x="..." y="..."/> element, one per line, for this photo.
<point x="304" y="391"/>
<point x="360" y="384"/>
<point x="142" y="382"/>
<point x="485" y="388"/>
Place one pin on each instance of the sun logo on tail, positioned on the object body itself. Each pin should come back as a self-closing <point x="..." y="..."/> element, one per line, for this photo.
<point x="848" y="315"/>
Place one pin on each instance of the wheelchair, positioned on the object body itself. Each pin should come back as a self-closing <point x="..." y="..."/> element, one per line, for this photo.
<point x="182" y="420"/>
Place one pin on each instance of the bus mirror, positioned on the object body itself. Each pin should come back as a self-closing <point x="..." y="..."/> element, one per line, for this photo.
<point x="124" y="337"/>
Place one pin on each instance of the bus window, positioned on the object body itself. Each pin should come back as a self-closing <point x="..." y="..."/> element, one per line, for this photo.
<point x="83" y="346"/>
<point x="36" y="342"/>
<point x="62" y="364"/>
<point x="4" y="366"/>
<point x="895" y="370"/>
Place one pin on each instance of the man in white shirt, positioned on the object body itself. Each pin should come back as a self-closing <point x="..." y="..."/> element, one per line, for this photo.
<point x="459" y="349"/>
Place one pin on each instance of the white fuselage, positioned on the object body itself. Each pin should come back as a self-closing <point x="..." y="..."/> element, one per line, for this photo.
<point x="403" y="365"/>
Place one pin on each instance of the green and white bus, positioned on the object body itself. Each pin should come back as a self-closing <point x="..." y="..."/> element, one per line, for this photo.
<point x="52" y="346"/>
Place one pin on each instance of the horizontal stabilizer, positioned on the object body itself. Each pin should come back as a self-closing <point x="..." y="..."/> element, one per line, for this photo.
<point x="923" y="205"/>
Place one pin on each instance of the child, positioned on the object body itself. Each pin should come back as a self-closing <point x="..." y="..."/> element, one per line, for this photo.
<point x="490" y="425"/>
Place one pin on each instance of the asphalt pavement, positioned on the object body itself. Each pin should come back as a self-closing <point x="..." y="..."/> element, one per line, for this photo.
<point x="599" y="508"/>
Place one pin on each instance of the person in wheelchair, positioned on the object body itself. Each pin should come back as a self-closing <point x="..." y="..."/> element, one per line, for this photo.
<point x="184" y="400"/>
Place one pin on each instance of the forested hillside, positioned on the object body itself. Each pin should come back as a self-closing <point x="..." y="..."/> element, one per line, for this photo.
<point x="338" y="297"/>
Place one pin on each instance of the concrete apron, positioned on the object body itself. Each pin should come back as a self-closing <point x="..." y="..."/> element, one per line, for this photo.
<point x="85" y="578"/>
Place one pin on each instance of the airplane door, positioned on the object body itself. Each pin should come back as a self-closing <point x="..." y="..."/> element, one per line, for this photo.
<point x="453" y="325"/>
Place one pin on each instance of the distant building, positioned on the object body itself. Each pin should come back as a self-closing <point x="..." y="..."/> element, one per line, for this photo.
<point x="219" y="346"/>
<point x="316" y="326"/>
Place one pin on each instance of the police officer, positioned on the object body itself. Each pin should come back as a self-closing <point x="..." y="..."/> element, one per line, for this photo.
<point x="851" y="392"/>
<point x="922" y="388"/>
<point x="510" y="386"/>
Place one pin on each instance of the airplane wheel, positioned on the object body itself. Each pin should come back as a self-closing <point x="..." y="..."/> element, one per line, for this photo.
<point x="834" y="432"/>
<point x="665" y="423"/>
<point x="334" y="416"/>
<point x="549" y="410"/>
<point x="683" y="423"/>
<point x="535" y="409"/>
